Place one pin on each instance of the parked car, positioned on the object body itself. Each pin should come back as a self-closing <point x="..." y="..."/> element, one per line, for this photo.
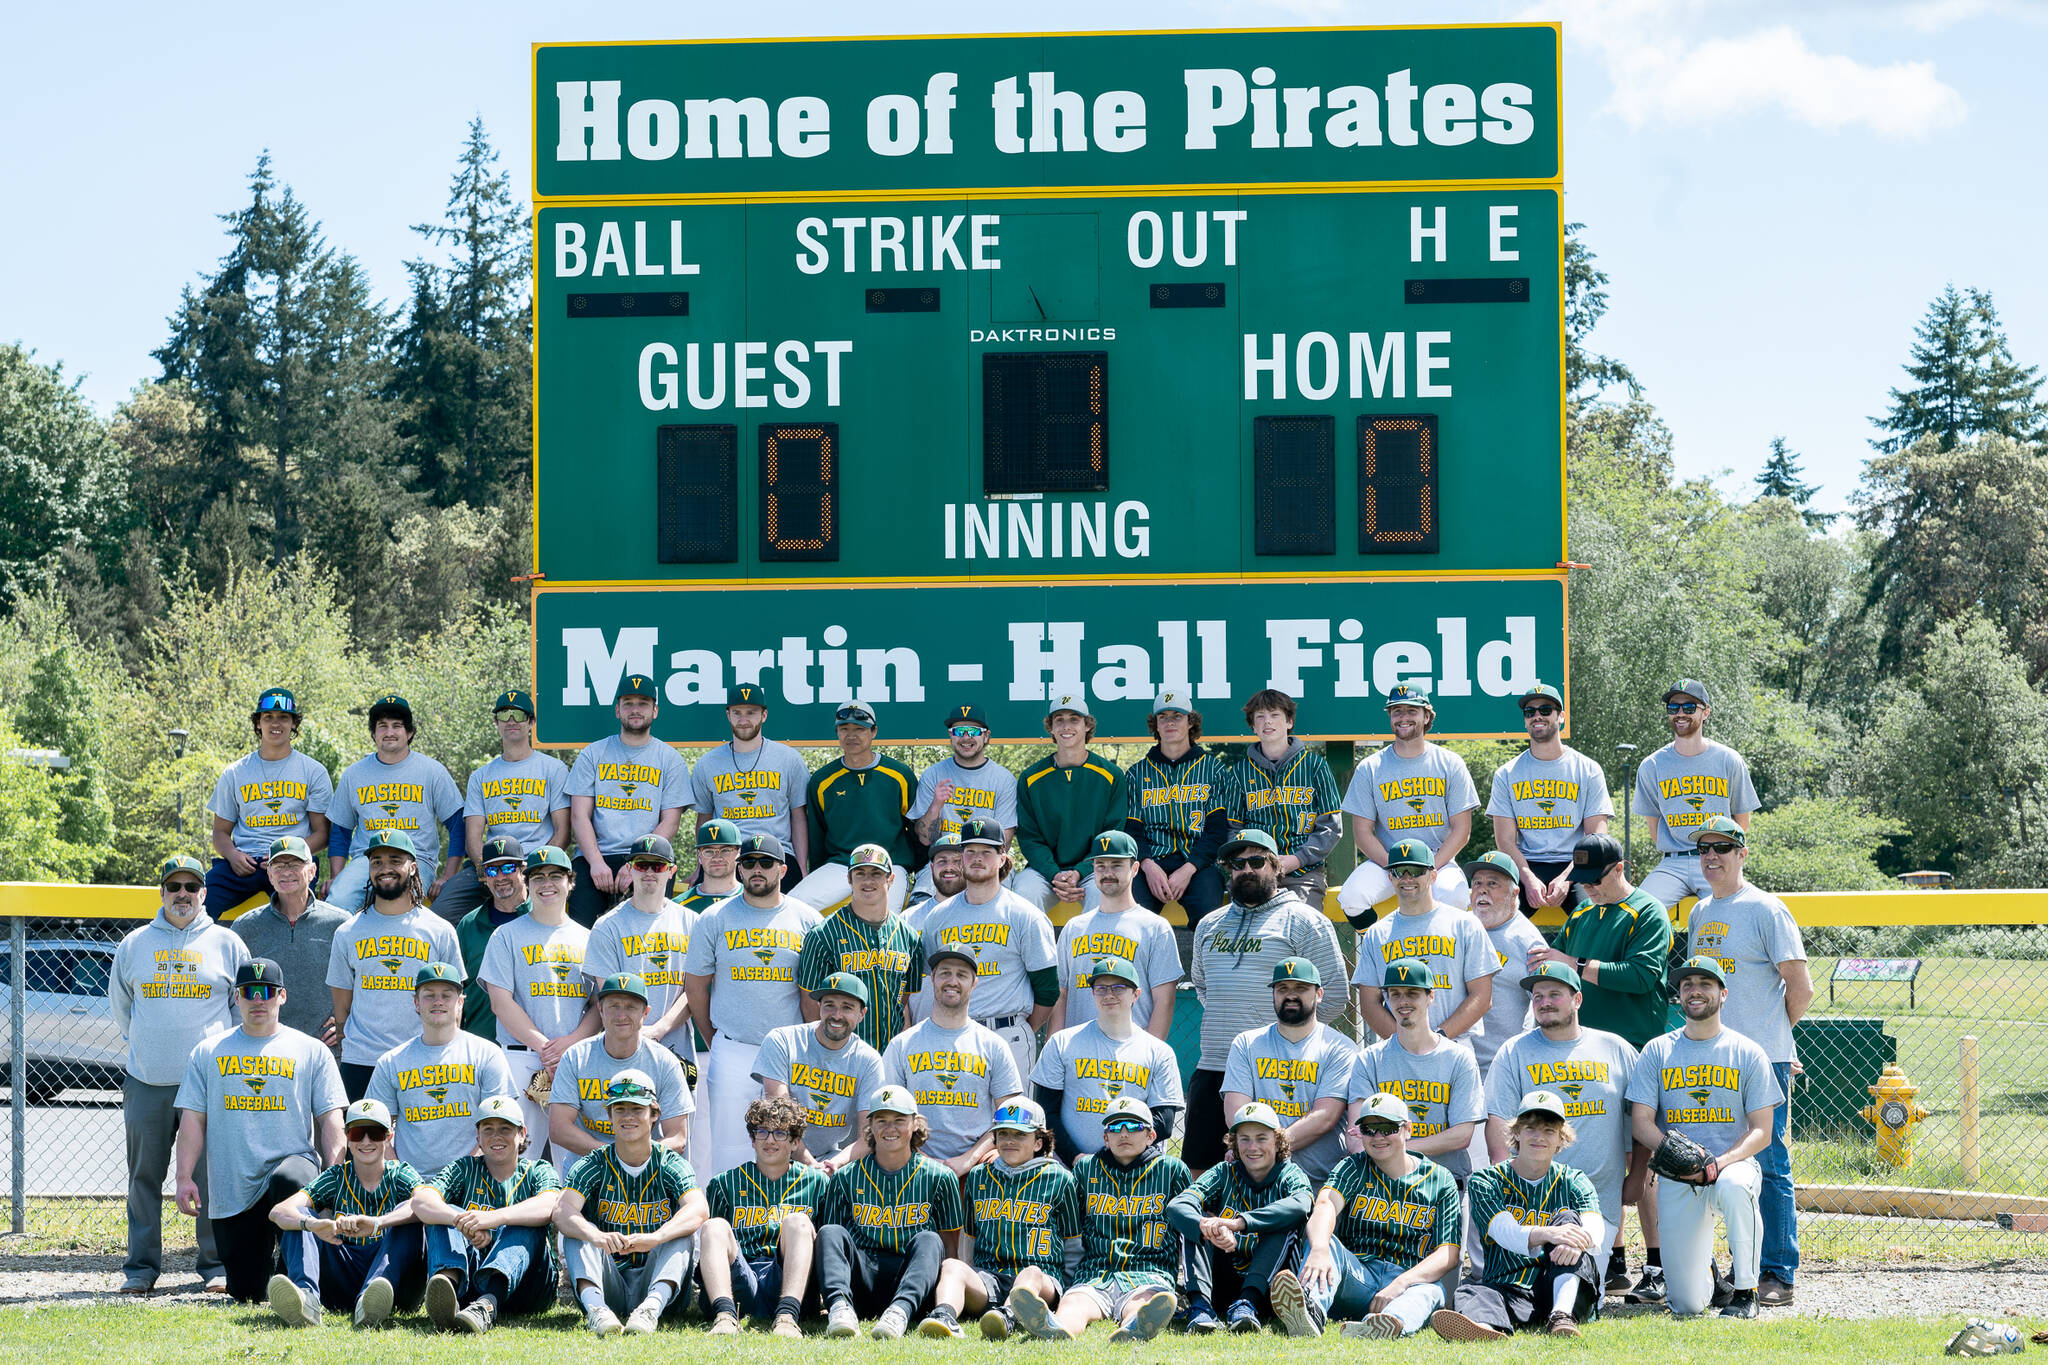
<point x="73" y="1042"/>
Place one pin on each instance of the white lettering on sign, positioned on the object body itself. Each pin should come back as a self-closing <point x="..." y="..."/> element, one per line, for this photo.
<point x="1220" y="98"/>
<point x="701" y="373"/>
<point x="656" y="130"/>
<point x="914" y="245"/>
<point x="1504" y="666"/>
<point x="1030" y="530"/>
<point x="574" y="255"/>
<point x="1313" y="361"/>
<point x="1146" y="236"/>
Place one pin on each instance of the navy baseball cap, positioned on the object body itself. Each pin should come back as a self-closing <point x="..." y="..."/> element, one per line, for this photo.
<point x="982" y="831"/>
<point x="762" y="846"/>
<point x="258" y="971"/>
<point x="746" y="694"/>
<point x="651" y="847"/>
<point x="503" y="848"/>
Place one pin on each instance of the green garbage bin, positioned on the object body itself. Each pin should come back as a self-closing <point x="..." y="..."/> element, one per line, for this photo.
<point x="1842" y="1057"/>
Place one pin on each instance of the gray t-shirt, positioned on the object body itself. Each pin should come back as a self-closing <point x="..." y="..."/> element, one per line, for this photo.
<point x="627" y="939"/>
<point x="433" y="1094"/>
<point x="1750" y="933"/>
<point x="414" y="796"/>
<point x="1292" y="1077"/>
<point x="629" y="788"/>
<point x="959" y="1077"/>
<point x="1509" y="1013"/>
<point x="519" y="799"/>
<point x="759" y="792"/>
<point x="587" y="1068"/>
<point x="1591" y="1072"/>
<point x="1009" y="937"/>
<point x="751" y="957"/>
<point x="1549" y="800"/>
<point x="1232" y="959"/>
<point x="541" y="967"/>
<point x="989" y="791"/>
<point x="1090" y="1069"/>
<point x="831" y="1086"/>
<point x="260" y="1097"/>
<point x="268" y="800"/>
<point x="1411" y="798"/>
<point x="1137" y="935"/>
<point x="300" y="951"/>
<point x="1441" y="1088"/>
<point x="1452" y="941"/>
<point x="1705" y="1090"/>
<point x="1685" y="792"/>
<point x="376" y="956"/>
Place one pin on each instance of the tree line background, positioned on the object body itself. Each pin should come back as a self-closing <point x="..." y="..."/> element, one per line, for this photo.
<point x="328" y="492"/>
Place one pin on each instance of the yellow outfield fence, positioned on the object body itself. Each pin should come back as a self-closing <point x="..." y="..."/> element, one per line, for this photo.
<point x="1919" y="1112"/>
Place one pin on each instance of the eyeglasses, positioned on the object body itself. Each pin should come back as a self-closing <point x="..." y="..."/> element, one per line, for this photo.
<point x="1539" y="710"/>
<point x="1379" y="1129"/>
<point x="757" y="861"/>
<point x="259" y="991"/>
<point x="1247" y="864"/>
<point x="363" y="1132"/>
<point x="184" y="888"/>
<point x="966" y="731"/>
<point x="1678" y="707"/>
<point x="786" y="1134"/>
<point x="501" y="869"/>
<point x="1717" y="848"/>
<point x="1126" y="1126"/>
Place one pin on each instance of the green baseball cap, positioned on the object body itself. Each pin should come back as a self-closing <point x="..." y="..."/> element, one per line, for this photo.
<point x="277" y="699"/>
<point x="1296" y="969"/>
<point x="514" y="701"/>
<point x="950" y="839"/>
<point x="893" y="1099"/>
<point x="637" y="685"/>
<point x="1410" y="853"/>
<point x="290" y="846"/>
<point x="390" y="838"/>
<point x="1248" y="838"/>
<point x="1699" y="965"/>
<point x="1112" y="969"/>
<point x="624" y="983"/>
<point x="180" y="862"/>
<point x="1114" y="843"/>
<point x="1410" y="694"/>
<point x="871" y="855"/>
<point x="746" y="694"/>
<point x="1553" y="971"/>
<point x="1493" y="861"/>
<point x="547" y="855"/>
<point x="718" y="834"/>
<point x="631" y="1086"/>
<point x="1724" y="827"/>
<point x="846" y="984"/>
<point x="390" y="706"/>
<point x="1542" y="691"/>
<point x="437" y="971"/>
<point x="1409" y="971"/>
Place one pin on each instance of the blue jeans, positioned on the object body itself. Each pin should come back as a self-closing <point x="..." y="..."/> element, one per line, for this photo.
<point x="518" y="1267"/>
<point x="1359" y="1281"/>
<point x="337" y="1274"/>
<point x="227" y="888"/>
<point x="1780" y="1212"/>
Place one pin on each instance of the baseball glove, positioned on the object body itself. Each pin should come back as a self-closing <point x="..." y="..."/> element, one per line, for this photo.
<point x="540" y="1085"/>
<point x="1678" y="1157"/>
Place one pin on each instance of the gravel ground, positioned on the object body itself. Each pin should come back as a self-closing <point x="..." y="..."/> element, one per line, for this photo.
<point x="2018" y="1288"/>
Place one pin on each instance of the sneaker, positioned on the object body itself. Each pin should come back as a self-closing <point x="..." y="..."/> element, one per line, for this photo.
<point x="478" y="1318"/>
<point x="997" y="1324"/>
<point x="891" y="1325"/>
<point x="786" y="1328"/>
<point x="1650" y="1288"/>
<point x="1202" y="1317"/>
<point x="1741" y="1304"/>
<point x="936" y="1326"/>
<point x="724" y="1325"/>
<point x="1562" y="1325"/>
<point x="373" y="1305"/>
<point x="443" y="1302"/>
<point x="217" y="1285"/>
<point x="1381" y="1327"/>
<point x="842" y="1321"/>
<point x="1242" y="1317"/>
<point x="602" y="1321"/>
<point x="1455" y="1326"/>
<point x="1034" y="1317"/>
<point x="642" y="1321"/>
<point x="1297" y="1312"/>
<point x="1146" y="1323"/>
<point x="1773" y="1292"/>
<point x="1617" y="1276"/>
<point x="294" y="1306"/>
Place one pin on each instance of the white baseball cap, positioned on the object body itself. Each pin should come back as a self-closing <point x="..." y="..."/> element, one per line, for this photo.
<point x="367" y="1110"/>
<point x="1077" y="702"/>
<point x="502" y="1107"/>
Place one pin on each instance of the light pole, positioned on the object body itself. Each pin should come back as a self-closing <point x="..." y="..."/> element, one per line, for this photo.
<point x="1628" y="790"/>
<point x="178" y="738"/>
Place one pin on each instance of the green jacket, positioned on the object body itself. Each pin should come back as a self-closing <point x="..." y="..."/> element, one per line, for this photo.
<point x="1630" y="942"/>
<point x="473" y="935"/>
<point x="1061" y="810"/>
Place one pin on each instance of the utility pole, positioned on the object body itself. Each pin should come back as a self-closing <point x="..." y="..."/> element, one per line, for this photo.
<point x="1628" y="790"/>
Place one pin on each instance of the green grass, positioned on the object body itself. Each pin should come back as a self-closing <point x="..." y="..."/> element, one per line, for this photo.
<point x="211" y="1333"/>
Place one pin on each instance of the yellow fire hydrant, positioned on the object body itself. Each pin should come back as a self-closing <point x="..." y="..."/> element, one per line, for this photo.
<point x="1892" y="1111"/>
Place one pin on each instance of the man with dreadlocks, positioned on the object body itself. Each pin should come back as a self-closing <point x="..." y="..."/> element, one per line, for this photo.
<point x="376" y="955"/>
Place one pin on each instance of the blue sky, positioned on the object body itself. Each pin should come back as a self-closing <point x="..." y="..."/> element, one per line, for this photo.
<point x="1777" y="190"/>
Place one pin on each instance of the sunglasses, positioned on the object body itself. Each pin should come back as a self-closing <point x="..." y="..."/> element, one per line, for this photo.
<point x="1405" y="874"/>
<point x="966" y="731"/>
<point x="1717" y="848"/>
<point x="1379" y="1129"/>
<point x="258" y="992"/>
<point x="509" y="717"/>
<point x="757" y="861"/>
<point x="1681" y="707"/>
<point x="651" y="865"/>
<point x="363" y="1132"/>
<point x="1126" y="1126"/>
<point x="284" y="704"/>
<point x="1246" y="864"/>
<point x="1539" y="710"/>
<point x="502" y="869"/>
<point x="183" y="888"/>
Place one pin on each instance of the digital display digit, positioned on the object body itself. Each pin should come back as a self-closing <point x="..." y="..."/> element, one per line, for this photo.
<point x="1397" y="485"/>
<point x="800" y="491"/>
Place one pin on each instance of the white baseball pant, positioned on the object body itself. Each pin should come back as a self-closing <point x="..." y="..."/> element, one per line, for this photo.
<point x="726" y="1086"/>
<point x="828" y="888"/>
<point x="1369" y="884"/>
<point x="1685" y="1225"/>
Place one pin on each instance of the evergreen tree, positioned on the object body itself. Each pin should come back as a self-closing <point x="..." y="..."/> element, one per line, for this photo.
<point x="1586" y="372"/>
<point x="61" y="479"/>
<point x="1965" y="381"/>
<point x="1780" y="479"/>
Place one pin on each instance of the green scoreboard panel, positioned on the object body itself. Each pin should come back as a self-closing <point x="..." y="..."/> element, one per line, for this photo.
<point x="938" y="370"/>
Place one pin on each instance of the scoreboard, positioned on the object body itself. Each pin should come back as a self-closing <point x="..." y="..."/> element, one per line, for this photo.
<point x="930" y="371"/>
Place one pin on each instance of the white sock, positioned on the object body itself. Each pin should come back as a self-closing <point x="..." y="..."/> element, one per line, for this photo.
<point x="592" y="1299"/>
<point x="659" y="1296"/>
<point x="1564" y="1298"/>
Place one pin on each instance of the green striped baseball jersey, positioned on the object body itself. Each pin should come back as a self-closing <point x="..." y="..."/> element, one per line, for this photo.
<point x="467" y="1183"/>
<point x="703" y="901"/>
<point x="1021" y="1215"/>
<point x="1277" y="1206"/>
<point x="618" y="1199"/>
<point x="887" y="957"/>
<point x="1061" y="810"/>
<point x="848" y="807"/>
<point x="1124" y="1231"/>
<point x="337" y="1190"/>
<point x="1170" y="803"/>
<point x="1286" y="804"/>
<point x="885" y="1210"/>
<point x="756" y="1205"/>
<point x="1400" y="1218"/>
<point x="1497" y="1190"/>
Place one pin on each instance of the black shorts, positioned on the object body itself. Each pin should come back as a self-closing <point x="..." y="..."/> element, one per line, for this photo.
<point x="1549" y="870"/>
<point x="1201" y="1144"/>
